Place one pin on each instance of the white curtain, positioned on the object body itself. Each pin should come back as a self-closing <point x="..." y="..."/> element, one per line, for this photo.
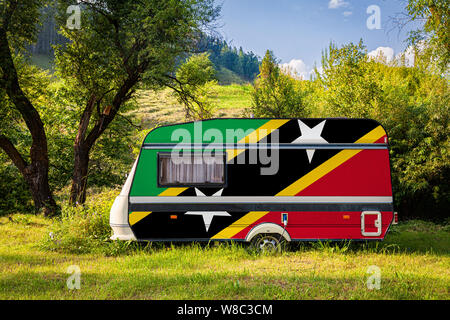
<point x="195" y="169"/>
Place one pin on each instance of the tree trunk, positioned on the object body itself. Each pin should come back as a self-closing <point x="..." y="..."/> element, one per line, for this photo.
<point x="35" y="175"/>
<point x="84" y="141"/>
<point x="80" y="174"/>
<point x="36" y="172"/>
<point x="37" y="181"/>
<point x="81" y="156"/>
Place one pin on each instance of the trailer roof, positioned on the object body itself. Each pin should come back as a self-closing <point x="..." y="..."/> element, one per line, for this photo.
<point x="234" y="130"/>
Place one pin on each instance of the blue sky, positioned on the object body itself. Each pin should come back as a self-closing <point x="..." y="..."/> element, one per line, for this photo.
<point x="300" y="29"/>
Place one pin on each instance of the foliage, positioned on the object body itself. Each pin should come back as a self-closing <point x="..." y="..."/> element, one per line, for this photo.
<point x="84" y="229"/>
<point x="58" y="110"/>
<point x="276" y="94"/>
<point x="119" y="47"/>
<point x="196" y="77"/>
<point x="434" y="34"/>
<point x="21" y="19"/>
<point x="110" y="157"/>
<point x="412" y="104"/>
<point x="18" y="28"/>
<point x="223" y="55"/>
<point x="14" y="191"/>
<point x="197" y="70"/>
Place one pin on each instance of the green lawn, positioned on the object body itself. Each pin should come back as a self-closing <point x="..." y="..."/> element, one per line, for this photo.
<point x="414" y="263"/>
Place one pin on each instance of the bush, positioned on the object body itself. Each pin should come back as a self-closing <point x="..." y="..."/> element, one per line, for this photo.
<point x="85" y="229"/>
<point x="412" y="105"/>
<point x="15" y="195"/>
<point x="276" y="93"/>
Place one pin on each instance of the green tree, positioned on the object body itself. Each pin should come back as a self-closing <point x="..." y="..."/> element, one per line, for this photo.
<point x="196" y="78"/>
<point x="18" y="28"/>
<point x="120" y="46"/>
<point x="434" y="33"/>
<point x="276" y="93"/>
<point x="351" y="91"/>
<point x="412" y="105"/>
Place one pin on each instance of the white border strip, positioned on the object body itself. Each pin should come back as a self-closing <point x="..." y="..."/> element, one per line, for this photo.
<point x="295" y="199"/>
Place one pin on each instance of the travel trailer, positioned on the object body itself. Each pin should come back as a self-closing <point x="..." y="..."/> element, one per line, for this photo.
<point x="258" y="180"/>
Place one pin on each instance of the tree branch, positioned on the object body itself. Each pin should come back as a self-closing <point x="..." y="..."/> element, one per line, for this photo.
<point x="130" y="122"/>
<point x="13" y="153"/>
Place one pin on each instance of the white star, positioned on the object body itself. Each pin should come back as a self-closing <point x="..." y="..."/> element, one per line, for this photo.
<point x="209" y="215"/>
<point x="310" y="136"/>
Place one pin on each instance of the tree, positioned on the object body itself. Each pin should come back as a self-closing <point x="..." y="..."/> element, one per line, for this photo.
<point x="351" y="90"/>
<point x="412" y="105"/>
<point x="196" y="76"/>
<point x="18" y="26"/>
<point x="122" y="45"/>
<point x="222" y="55"/>
<point x="275" y="93"/>
<point x="432" y="38"/>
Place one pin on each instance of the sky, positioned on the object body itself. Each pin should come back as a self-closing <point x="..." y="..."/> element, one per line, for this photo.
<point x="297" y="31"/>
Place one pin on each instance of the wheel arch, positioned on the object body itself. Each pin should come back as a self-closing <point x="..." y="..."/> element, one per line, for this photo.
<point x="267" y="227"/>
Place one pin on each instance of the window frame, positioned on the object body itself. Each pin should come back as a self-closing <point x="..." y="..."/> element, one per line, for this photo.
<point x="201" y="185"/>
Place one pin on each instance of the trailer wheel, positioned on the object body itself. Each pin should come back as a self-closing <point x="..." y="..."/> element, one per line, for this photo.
<point x="267" y="242"/>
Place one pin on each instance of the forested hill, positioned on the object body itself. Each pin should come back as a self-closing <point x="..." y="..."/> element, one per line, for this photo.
<point x="231" y="64"/>
<point x="244" y="64"/>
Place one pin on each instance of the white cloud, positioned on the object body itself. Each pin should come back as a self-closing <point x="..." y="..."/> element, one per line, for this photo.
<point x="382" y="54"/>
<point x="347" y="13"/>
<point x="334" y="4"/>
<point x="298" y="67"/>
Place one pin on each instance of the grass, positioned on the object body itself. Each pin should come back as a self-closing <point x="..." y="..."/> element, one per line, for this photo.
<point x="411" y="268"/>
<point x="161" y="108"/>
<point x="226" y="77"/>
<point x="43" y="61"/>
<point x="232" y="100"/>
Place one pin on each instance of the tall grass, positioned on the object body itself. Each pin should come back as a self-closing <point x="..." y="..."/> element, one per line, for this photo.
<point x="84" y="229"/>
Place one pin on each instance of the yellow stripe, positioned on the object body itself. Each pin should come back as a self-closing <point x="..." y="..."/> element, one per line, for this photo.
<point x="317" y="173"/>
<point x="135" y="217"/>
<point x="256" y="136"/>
<point x="253" y="137"/>
<point x="240" y="224"/>
<point x="302" y="183"/>
<point x="330" y="164"/>
<point x="172" y="191"/>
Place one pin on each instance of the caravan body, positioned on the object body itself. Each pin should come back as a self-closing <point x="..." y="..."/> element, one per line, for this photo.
<point x="234" y="179"/>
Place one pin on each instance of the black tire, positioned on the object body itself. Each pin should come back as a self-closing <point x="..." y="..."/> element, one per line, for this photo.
<point x="268" y="242"/>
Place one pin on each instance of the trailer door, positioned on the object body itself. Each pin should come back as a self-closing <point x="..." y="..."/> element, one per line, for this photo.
<point x="371" y="223"/>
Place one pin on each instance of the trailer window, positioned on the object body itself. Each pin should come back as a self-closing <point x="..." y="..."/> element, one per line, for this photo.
<point x="192" y="170"/>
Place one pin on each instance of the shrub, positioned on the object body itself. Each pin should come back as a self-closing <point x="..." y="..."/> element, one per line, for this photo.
<point x="85" y="229"/>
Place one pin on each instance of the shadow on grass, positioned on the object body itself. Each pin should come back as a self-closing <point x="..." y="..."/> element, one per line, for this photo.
<point x="409" y="237"/>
